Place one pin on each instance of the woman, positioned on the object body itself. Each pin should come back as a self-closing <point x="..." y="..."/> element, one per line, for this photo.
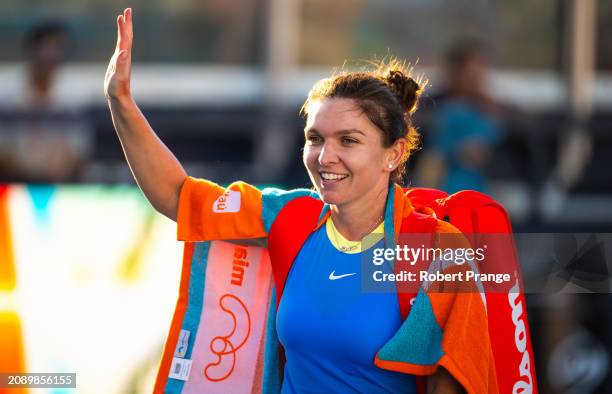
<point x="358" y="138"/>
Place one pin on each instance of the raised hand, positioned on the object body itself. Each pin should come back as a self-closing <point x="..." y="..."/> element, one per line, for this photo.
<point x="117" y="79"/>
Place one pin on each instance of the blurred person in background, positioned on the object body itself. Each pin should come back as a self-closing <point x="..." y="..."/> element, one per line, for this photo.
<point x="43" y="138"/>
<point x="465" y="124"/>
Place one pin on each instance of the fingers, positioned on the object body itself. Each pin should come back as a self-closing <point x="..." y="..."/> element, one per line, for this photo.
<point x="127" y="17"/>
<point x="124" y="30"/>
<point x="118" y="32"/>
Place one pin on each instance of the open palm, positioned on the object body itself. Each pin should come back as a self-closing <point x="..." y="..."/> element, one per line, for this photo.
<point x="117" y="79"/>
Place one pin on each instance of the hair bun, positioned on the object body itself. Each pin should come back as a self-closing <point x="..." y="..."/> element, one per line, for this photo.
<point x="404" y="87"/>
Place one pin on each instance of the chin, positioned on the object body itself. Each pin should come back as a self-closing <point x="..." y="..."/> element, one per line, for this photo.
<point x="331" y="198"/>
<point x="331" y="195"/>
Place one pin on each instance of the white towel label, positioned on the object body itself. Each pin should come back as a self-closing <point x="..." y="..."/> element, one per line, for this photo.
<point x="180" y="369"/>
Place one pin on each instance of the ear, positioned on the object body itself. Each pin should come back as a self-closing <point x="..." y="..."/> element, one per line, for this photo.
<point x="395" y="154"/>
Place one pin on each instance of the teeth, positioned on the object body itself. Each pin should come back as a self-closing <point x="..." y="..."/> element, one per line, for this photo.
<point x="330" y="177"/>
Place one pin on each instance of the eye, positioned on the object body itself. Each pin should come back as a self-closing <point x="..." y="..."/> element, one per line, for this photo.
<point x="313" y="139"/>
<point x="349" y="141"/>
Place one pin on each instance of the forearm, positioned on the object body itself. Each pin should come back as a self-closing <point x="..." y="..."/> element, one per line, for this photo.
<point x="157" y="171"/>
<point x="442" y="382"/>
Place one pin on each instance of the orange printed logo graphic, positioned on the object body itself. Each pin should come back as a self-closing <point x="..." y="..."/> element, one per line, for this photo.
<point x="225" y="347"/>
<point x="238" y="265"/>
<point x="227" y="202"/>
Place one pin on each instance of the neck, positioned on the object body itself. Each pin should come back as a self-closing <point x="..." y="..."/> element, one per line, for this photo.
<point x="357" y="219"/>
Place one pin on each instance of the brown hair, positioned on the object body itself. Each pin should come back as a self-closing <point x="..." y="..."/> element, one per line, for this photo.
<point x="386" y="94"/>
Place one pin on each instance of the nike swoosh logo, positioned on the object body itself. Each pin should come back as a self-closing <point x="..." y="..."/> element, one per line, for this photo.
<point x="332" y="276"/>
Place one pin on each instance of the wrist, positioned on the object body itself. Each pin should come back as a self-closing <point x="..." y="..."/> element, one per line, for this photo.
<point x="120" y="100"/>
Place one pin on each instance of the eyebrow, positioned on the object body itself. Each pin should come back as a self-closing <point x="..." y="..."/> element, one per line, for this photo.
<point x="337" y="132"/>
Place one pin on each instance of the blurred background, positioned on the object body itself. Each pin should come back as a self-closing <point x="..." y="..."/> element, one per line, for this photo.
<point x="518" y="105"/>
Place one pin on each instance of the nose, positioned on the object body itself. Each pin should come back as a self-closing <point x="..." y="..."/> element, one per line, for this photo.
<point x="328" y="154"/>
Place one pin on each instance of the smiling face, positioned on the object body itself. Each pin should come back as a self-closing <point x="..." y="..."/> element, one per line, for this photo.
<point x="344" y="153"/>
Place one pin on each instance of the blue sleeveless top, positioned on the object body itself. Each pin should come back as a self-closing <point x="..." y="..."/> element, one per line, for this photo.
<point x="331" y="329"/>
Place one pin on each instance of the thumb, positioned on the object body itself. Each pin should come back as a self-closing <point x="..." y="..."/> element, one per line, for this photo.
<point x="123" y="64"/>
<point x="122" y="55"/>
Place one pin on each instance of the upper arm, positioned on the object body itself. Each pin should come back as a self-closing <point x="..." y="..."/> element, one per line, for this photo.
<point x="207" y="211"/>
